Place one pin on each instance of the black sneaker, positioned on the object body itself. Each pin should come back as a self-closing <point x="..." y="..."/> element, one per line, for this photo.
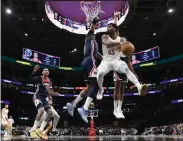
<point x="54" y="133"/>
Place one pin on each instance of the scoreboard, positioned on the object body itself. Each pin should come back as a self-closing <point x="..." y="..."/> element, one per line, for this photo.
<point x="41" y="58"/>
<point x="145" y="55"/>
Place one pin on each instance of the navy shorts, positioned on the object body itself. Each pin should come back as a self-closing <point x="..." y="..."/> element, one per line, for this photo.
<point x="89" y="67"/>
<point x="41" y="101"/>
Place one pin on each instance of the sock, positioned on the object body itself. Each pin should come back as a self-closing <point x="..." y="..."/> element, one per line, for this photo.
<point x="115" y="105"/>
<point x="43" y="124"/>
<point x="77" y="100"/>
<point x="55" y="122"/>
<point x="120" y="104"/>
<point x="35" y="126"/>
<point x="100" y="80"/>
<point x="87" y="103"/>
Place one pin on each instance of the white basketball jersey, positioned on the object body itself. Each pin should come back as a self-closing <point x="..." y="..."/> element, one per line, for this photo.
<point x="5" y="113"/>
<point x="111" y="53"/>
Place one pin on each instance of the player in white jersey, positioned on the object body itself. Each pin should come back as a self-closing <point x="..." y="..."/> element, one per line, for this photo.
<point x="4" y="120"/>
<point x="111" y="44"/>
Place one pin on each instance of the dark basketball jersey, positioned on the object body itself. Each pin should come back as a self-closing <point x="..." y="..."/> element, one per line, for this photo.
<point x="43" y="86"/>
<point x="91" y="46"/>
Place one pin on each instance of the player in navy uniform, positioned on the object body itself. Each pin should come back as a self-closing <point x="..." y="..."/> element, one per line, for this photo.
<point x="119" y="82"/>
<point x="89" y="65"/>
<point x="40" y="99"/>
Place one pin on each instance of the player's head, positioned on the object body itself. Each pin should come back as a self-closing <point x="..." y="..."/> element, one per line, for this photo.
<point x="6" y="106"/>
<point x="35" y="55"/>
<point x="45" y="72"/>
<point x="133" y="57"/>
<point x="112" y="28"/>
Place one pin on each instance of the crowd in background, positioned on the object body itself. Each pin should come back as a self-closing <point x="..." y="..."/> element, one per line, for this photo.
<point x="175" y="129"/>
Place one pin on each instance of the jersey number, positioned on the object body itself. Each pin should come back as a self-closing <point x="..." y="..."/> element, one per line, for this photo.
<point x="111" y="51"/>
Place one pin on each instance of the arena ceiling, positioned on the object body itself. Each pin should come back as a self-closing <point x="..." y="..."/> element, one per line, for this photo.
<point x="147" y="25"/>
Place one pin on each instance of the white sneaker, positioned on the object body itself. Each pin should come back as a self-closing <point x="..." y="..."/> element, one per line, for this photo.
<point x="119" y="114"/>
<point x="115" y="112"/>
<point x="143" y="91"/>
<point x="100" y="94"/>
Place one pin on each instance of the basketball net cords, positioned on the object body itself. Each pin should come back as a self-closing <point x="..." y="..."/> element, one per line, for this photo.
<point x="92" y="115"/>
<point x="90" y="10"/>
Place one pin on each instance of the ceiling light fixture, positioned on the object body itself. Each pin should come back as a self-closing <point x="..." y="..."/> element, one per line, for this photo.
<point x="8" y="11"/>
<point x="170" y="10"/>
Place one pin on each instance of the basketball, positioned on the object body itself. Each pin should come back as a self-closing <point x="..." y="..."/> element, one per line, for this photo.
<point x="127" y="48"/>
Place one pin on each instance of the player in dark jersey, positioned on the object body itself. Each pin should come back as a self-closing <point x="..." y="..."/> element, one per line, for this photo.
<point x="40" y="99"/>
<point x="89" y="66"/>
<point x="120" y="81"/>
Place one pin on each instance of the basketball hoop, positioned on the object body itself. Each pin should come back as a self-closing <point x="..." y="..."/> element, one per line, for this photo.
<point x="91" y="9"/>
<point x="92" y="115"/>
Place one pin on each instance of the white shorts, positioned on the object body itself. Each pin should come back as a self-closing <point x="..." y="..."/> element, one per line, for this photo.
<point x="107" y="66"/>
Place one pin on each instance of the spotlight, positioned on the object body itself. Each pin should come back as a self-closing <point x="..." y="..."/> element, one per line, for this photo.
<point x="170" y="10"/>
<point x="26" y="34"/>
<point x="8" y="11"/>
<point x="75" y="49"/>
<point x="154" y="34"/>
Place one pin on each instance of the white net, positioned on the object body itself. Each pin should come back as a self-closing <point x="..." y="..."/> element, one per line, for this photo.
<point x="91" y="9"/>
<point x="92" y="115"/>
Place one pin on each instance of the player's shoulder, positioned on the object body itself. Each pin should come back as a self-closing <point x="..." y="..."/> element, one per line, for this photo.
<point x="123" y="39"/>
<point x="104" y="36"/>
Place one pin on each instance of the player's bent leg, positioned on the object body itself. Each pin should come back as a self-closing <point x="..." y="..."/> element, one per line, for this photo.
<point x="7" y="127"/>
<point x="123" y="68"/>
<point x="71" y="106"/>
<point x="115" y="95"/>
<point x="83" y="111"/>
<point x="101" y="72"/>
<point x="37" y="121"/>
<point x="39" y="131"/>
<point x="56" y="118"/>
<point x="48" y="127"/>
<point x="120" y="101"/>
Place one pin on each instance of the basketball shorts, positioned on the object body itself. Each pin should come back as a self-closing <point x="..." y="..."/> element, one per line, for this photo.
<point x="41" y="101"/>
<point x="4" y="122"/>
<point x="89" y="67"/>
<point x="120" y="77"/>
<point x="112" y="65"/>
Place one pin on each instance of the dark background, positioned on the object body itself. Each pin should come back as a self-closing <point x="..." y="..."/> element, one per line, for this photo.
<point x="146" y="18"/>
